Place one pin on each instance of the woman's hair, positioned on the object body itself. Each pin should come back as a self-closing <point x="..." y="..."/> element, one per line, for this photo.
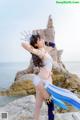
<point x="36" y="60"/>
<point x="34" y="39"/>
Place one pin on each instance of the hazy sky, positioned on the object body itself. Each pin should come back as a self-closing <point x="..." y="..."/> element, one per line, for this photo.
<point x="19" y="15"/>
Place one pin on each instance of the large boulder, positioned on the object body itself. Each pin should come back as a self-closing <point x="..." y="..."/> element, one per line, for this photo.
<point x="24" y="85"/>
<point x="23" y="109"/>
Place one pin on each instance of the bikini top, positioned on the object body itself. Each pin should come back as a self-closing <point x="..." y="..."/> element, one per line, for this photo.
<point x="48" y="62"/>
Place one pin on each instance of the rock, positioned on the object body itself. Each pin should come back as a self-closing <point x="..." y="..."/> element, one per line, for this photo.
<point x="23" y="109"/>
<point x="69" y="81"/>
<point x="22" y="87"/>
<point x="25" y="77"/>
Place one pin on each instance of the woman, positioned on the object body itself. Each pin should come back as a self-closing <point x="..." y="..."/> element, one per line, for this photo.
<point x="44" y="80"/>
<point x="38" y="63"/>
<point x="41" y="93"/>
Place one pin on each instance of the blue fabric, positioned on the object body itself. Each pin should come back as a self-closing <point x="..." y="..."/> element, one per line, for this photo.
<point x="64" y="96"/>
<point x="59" y="103"/>
<point x="51" y="44"/>
<point x="50" y="110"/>
<point x="51" y="107"/>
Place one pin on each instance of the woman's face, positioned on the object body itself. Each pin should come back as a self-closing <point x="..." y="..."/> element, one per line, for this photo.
<point x="40" y="43"/>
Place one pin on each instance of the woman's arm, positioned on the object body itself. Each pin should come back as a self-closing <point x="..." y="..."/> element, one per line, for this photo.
<point x="31" y="49"/>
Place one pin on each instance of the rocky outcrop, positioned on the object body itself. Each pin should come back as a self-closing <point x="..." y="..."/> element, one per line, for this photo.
<point x="69" y="81"/>
<point x="24" y="86"/>
<point x="23" y="109"/>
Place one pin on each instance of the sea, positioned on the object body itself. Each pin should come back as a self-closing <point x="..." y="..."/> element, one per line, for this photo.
<point x="8" y="72"/>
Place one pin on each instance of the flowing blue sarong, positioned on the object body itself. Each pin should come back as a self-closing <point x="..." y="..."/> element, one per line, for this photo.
<point x="61" y="95"/>
<point x="59" y="103"/>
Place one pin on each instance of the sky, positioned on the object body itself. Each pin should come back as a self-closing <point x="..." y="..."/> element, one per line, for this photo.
<point x="19" y="15"/>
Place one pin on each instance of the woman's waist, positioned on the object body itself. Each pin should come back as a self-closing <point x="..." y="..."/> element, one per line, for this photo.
<point x="44" y="68"/>
<point x="45" y="73"/>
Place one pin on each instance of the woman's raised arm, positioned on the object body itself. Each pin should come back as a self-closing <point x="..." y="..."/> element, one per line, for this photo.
<point x="31" y="49"/>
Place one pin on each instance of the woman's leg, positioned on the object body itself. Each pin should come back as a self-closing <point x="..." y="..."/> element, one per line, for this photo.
<point x="43" y="95"/>
<point x="42" y="91"/>
<point x="50" y="104"/>
<point x="39" y="101"/>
